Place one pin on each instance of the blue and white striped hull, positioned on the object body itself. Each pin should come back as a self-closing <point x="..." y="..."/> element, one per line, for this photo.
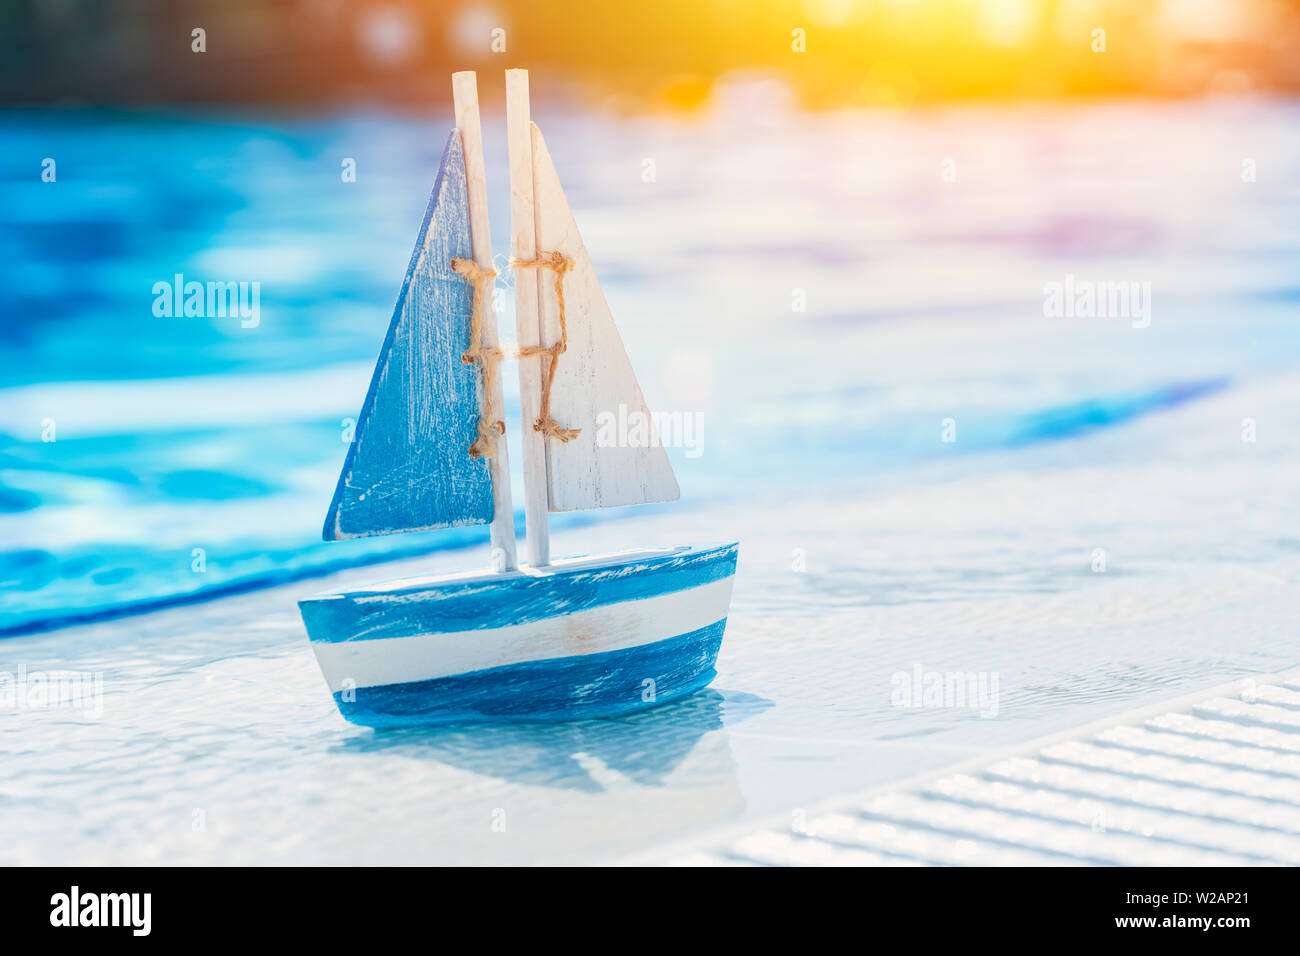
<point x="589" y="637"/>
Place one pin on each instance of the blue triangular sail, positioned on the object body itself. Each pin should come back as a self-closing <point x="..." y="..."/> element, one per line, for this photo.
<point x="408" y="467"/>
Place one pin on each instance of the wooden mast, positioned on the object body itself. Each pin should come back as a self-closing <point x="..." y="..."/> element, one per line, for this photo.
<point x="523" y="245"/>
<point x="464" y="89"/>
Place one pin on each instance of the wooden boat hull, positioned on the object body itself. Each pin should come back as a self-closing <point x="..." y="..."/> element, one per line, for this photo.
<point x="588" y="637"/>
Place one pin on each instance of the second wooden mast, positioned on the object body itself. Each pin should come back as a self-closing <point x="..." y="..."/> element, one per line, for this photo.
<point x="523" y="245"/>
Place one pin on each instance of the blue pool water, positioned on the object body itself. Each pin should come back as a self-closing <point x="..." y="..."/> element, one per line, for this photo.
<point x="196" y="456"/>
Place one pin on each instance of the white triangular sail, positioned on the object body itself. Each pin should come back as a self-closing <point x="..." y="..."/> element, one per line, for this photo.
<point x="616" y="458"/>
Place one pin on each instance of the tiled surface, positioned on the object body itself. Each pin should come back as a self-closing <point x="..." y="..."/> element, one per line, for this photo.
<point x="1214" y="781"/>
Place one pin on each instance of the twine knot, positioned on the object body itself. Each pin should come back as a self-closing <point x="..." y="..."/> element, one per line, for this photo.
<point x="559" y="264"/>
<point x="490" y="425"/>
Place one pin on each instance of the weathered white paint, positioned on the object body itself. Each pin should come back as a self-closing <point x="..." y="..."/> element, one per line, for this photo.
<point x="597" y="630"/>
<point x="593" y="376"/>
<point x="464" y="88"/>
<point x="523" y="245"/>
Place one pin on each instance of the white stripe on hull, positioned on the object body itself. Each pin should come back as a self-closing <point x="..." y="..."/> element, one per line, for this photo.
<point x="611" y="627"/>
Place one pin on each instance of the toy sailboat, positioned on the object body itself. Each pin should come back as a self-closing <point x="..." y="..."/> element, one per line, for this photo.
<point x="585" y="637"/>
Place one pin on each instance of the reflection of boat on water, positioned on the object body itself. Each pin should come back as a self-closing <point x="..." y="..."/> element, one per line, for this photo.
<point x="584" y="791"/>
<point x="591" y="637"/>
<point x="645" y="747"/>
